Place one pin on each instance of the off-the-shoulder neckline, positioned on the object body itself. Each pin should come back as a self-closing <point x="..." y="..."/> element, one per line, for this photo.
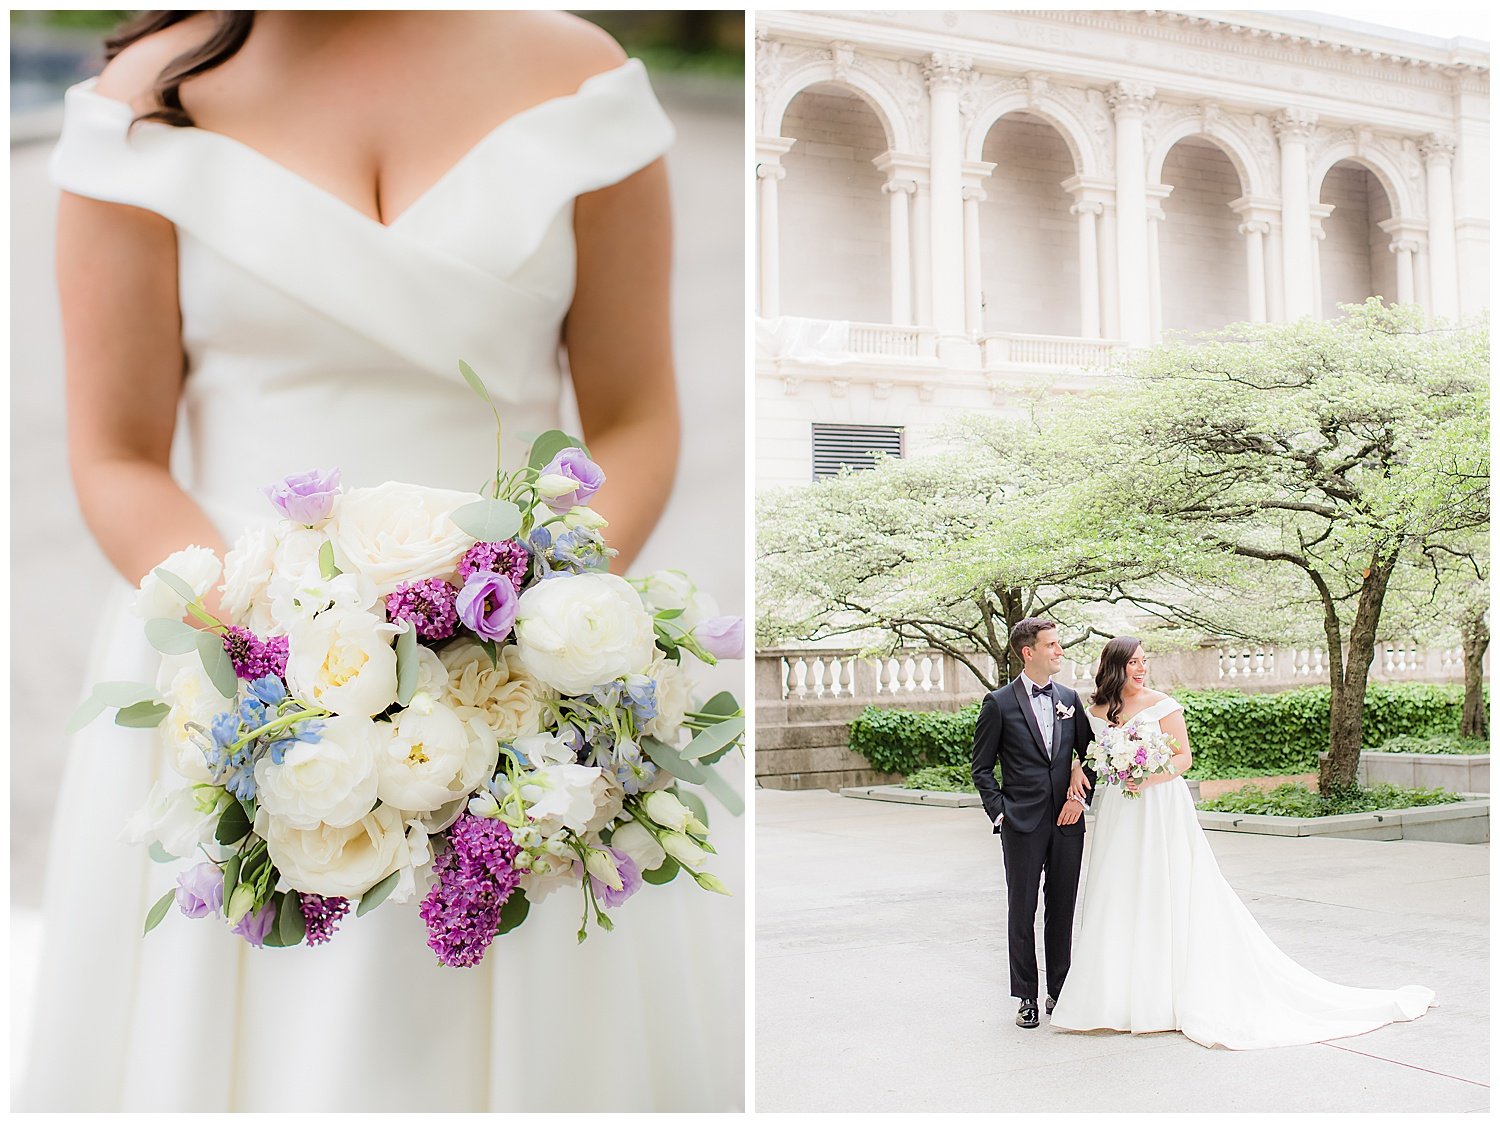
<point x="1134" y="716"/>
<point x="631" y="66"/>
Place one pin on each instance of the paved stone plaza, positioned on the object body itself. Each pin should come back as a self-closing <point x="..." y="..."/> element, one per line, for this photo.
<point x="881" y="981"/>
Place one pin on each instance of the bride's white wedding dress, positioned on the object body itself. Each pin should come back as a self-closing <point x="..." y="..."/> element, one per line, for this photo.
<point x="318" y="337"/>
<point x="1165" y="943"/>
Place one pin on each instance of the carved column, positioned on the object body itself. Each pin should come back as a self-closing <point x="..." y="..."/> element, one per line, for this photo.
<point x="1255" y="267"/>
<point x="973" y="276"/>
<point x="1294" y="127"/>
<point x="1442" y="237"/>
<point x="769" y="172"/>
<point x="900" y="192"/>
<point x="1088" y="265"/>
<point x="1109" y="268"/>
<point x="1406" y="289"/>
<point x="945" y="76"/>
<point x="922" y="253"/>
<point x="1156" y="194"/>
<point x="1275" y="275"/>
<point x="1130" y="100"/>
<point x="1408" y="239"/>
<point x="1315" y="216"/>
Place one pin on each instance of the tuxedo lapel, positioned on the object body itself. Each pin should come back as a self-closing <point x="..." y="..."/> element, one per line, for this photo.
<point x="1018" y="688"/>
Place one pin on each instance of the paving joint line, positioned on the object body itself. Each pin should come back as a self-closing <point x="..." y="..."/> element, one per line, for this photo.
<point x="1403" y="1064"/>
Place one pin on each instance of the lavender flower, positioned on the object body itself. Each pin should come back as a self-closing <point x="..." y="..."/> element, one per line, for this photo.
<point x="723" y="637"/>
<point x="509" y="558"/>
<point x="569" y="466"/>
<point x="630" y="877"/>
<point x="253" y="657"/>
<point x="322" y="915"/>
<point x="200" y="890"/>
<point x="428" y="605"/>
<point x="256" y="926"/>
<point x="475" y="877"/>
<point x="487" y="605"/>
<point x="306" y="497"/>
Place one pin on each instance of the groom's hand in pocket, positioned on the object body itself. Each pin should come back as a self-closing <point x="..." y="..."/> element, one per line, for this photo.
<point x="1070" y="813"/>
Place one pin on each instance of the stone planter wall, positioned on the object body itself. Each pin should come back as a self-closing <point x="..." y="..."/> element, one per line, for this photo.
<point x="1425" y="770"/>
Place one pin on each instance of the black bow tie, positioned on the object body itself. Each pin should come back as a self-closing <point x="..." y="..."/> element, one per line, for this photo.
<point x="1047" y="690"/>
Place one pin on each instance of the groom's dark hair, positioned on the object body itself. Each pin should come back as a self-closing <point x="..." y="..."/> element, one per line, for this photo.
<point x="1025" y="632"/>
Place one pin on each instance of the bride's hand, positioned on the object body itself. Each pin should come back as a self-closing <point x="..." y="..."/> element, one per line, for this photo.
<point x="1078" y="785"/>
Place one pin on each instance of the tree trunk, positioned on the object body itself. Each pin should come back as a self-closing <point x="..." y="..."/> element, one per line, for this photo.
<point x="1347" y="719"/>
<point x="1475" y="634"/>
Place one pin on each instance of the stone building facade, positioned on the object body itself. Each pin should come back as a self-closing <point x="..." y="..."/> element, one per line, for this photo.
<point x="954" y="204"/>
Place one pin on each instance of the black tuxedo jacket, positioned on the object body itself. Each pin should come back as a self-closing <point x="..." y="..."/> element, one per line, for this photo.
<point x="1032" y="787"/>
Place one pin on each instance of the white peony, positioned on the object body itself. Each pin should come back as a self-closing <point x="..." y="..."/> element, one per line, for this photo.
<point x="171" y="817"/>
<point x="193" y="698"/>
<point x="570" y="797"/>
<point x="428" y="760"/>
<point x="503" y="695"/>
<point x="329" y="781"/>
<point x="197" y="565"/>
<point x="247" y="572"/>
<point x="674" y="698"/>
<point x="633" y="839"/>
<point x="578" y="632"/>
<point x="397" y="532"/>
<point x="343" y="661"/>
<point x="337" y="861"/>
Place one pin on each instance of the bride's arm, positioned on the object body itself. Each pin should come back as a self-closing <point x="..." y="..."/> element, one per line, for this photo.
<point x="117" y="283"/>
<point x="1174" y="727"/>
<point x="619" y="339"/>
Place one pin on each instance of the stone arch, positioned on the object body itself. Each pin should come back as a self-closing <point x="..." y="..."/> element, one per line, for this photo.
<point x="1202" y="281"/>
<point x="1378" y="164"/>
<point x="1254" y="179"/>
<point x="1353" y="251"/>
<point x="1086" y="160"/>
<point x="884" y="104"/>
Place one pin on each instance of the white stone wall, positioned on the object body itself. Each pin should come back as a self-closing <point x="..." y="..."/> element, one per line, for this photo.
<point x="1028" y="240"/>
<point x="835" y="233"/>
<point x="1203" y="279"/>
<point x="1355" y="254"/>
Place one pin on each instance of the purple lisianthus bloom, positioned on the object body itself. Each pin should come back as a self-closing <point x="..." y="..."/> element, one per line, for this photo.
<point x="256" y="926"/>
<point x="573" y="464"/>
<point x="630" y="881"/>
<point x="200" y="890"/>
<point x="306" y="497"/>
<point x="487" y="605"/>
<point x="723" y="637"/>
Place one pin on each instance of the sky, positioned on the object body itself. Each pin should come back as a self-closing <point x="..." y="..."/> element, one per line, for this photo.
<point x="1443" y="22"/>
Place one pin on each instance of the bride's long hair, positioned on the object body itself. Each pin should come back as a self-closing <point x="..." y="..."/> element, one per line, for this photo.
<point x="1109" y="682"/>
<point x="229" y="35"/>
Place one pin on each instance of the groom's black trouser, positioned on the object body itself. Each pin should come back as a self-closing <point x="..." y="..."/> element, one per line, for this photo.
<point x="1029" y="857"/>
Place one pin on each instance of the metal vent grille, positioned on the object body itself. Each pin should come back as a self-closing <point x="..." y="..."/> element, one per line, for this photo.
<point x="835" y="446"/>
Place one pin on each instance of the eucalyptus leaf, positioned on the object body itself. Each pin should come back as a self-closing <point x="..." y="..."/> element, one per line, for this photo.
<point x="475" y="383"/>
<point x="733" y="802"/>
<point x="231" y="877"/>
<point x="408" y="665"/>
<point x="665" y="756"/>
<point x="722" y="704"/>
<point x="377" y="893"/>
<point x="171" y="637"/>
<point x="159" y="910"/>
<point x="176" y="584"/>
<point x="670" y="613"/>
<point x="90" y="708"/>
<point x="549" y="444"/>
<point x="488" y="520"/>
<point x="714" y="738"/>
<point x="233" y="824"/>
<point x="124" y="693"/>
<point x="158" y="853"/>
<point x="513" y="912"/>
<point x="327" y="568"/>
<point x="216" y="664"/>
<point x="142" y="715"/>
<point x="662" y="873"/>
<point x="695" y="803"/>
<point x="291" y="925"/>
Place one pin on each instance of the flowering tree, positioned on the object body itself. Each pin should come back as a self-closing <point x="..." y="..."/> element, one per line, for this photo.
<point x="1332" y="451"/>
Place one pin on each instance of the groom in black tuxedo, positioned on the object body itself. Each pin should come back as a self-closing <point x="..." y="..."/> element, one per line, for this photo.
<point x="1036" y="730"/>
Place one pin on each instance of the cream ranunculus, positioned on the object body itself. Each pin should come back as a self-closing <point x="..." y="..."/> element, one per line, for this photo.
<point x="429" y="759"/>
<point x="337" y="861"/>
<point x="330" y="781"/>
<point x="344" y="662"/>
<point x="247" y="573"/>
<point x="193" y="698"/>
<point x="581" y="631"/>
<point x="197" y="565"/>
<point x="398" y="532"/>
<point x="674" y="699"/>
<point x="504" y="696"/>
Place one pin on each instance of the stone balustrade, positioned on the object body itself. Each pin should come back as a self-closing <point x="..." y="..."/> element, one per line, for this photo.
<point x="1009" y="350"/>
<point x="893" y="341"/>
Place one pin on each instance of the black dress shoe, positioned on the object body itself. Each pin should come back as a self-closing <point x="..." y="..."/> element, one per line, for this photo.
<point x="1027" y="1018"/>
<point x="1051" y="1002"/>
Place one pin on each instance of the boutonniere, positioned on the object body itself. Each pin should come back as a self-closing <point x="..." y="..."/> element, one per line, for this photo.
<point x="1064" y="712"/>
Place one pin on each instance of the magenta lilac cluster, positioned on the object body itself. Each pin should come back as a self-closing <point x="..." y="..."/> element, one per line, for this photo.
<point x="429" y="605"/>
<point x="254" y="657"/>
<point x="475" y="876"/>
<point x="322" y="915"/>
<point x="508" y="558"/>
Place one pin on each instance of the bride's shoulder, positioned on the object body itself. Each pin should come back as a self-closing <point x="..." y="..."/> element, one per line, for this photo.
<point x="131" y="75"/>
<point x="568" y="49"/>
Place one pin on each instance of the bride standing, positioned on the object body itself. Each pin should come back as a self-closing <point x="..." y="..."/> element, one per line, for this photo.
<point x="1165" y="942"/>
<point x="289" y="226"/>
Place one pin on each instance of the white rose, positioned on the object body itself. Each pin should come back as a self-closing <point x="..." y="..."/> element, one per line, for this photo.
<point x="297" y="550"/>
<point x="336" y="861"/>
<point x="428" y="760"/>
<point x="197" y="565"/>
<point x="398" y="532"/>
<point x="247" y="572"/>
<point x="633" y="839"/>
<point x="684" y="849"/>
<point x="171" y="817"/>
<point x="330" y="781"/>
<point x="567" y="797"/>
<point x="673" y="700"/>
<point x="503" y="695"/>
<point x="578" y="632"/>
<point x="193" y="698"/>
<point x="343" y="661"/>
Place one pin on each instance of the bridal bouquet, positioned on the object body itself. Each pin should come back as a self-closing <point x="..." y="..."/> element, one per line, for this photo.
<point x="411" y="690"/>
<point x="1130" y="754"/>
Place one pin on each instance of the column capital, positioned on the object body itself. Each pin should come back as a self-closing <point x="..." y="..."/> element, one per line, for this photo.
<point x="1438" y="148"/>
<point x="975" y="193"/>
<point x="1294" y="124"/>
<point x="1092" y="189"/>
<point x="1405" y="229"/>
<point x="770" y="171"/>
<point x="770" y="149"/>
<point x="1087" y="206"/>
<point x="1315" y="215"/>
<point x="1404" y="245"/>
<point x="902" y="165"/>
<point x="946" y="70"/>
<point x="898" y="185"/>
<point x="1129" y="98"/>
<point x="1257" y="208"/>
<point x="1255" y="226"/>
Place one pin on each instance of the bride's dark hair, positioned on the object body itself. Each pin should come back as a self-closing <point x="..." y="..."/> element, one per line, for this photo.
<point x="230" y="33"/>
<point x="1109" y="683"/>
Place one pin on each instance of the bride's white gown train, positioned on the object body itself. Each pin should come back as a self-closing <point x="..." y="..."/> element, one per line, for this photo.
<point x="316" y="336"/>
<point x="1165" y="943"/>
